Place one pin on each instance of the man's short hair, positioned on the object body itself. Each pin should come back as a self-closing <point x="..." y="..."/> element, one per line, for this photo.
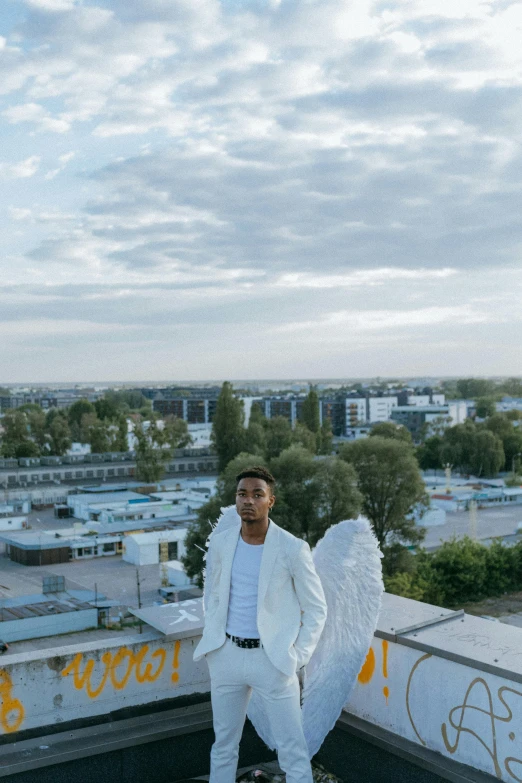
<point x="258" y="471"/>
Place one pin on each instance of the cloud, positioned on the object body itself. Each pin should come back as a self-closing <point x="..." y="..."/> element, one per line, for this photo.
<point x="385" y="320"/>
<point x="271" y="170"/>
<point x="21" y="170"/>
<point x="51" y="5"/>
<point x="367" y="277"/>
<point x="63" y="160"/>
<point x="20" y="213"/>
<point x="35" y="113"/>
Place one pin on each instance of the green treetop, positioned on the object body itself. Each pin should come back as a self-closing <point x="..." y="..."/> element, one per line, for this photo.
<point x="310" y="411"/>
<point x="391" y="486"/>
<point x="228" y="432"/>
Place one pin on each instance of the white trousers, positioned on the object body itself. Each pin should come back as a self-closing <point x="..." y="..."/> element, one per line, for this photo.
<point x="234" y="673"/>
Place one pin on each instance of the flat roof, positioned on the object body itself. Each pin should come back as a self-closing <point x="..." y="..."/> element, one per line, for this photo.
<point x="155" y="536"/>
<point x="110" y="487"/>
<point x="420" y="408"/>
<point x="28" y="539"/>
<point x="42" y="609"/>
<point x="102" y="498"/>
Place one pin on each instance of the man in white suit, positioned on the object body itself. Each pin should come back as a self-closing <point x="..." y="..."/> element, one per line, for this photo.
<point x="265" y="613"/>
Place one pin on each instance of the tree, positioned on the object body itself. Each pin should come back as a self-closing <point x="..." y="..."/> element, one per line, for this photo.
<point x="120" y="440"/>
<point x="296" y="497"/>
<point x="513" y="450"/>
<point x="60" y="434"/>
<point x="303" y="437"/>
<point x="474" y="449"/>
<point x="125" y="400"/>
<point x="512" y="387"/>
<point x="325" y="438"/>
<point x="256" y="414"/>
<point x="387" y="429"/>
<point x="77" y="410"/>
<point x="255" y="436"/>
<point x="458" y="444"/>
<point x="228" y="433"/>
<point x="310" y="412"/>
<point x="391" y="485"/>
<point x="485" y="407"/>
<point x="151" y="455"/>
<point x="278" y="436"/>
<point x="196" y="539"/>
<point x="473" y="388"/>
<point x="500" y="425"/>
<point x="488" y="454"/>
<point x="16" y="438"/>
<point x="255" y="439"/>
<point x="405" y="584"/>
<point x="459" y="566"/>
<point x="334" y="486"/>
<point x="429" y="453"/>
<point x="96" y="433"/>
<point x="176" y="432"/>
<point x="37" y="428"/>
<point x="107" y="407"/>
<point x="26" y="448"/>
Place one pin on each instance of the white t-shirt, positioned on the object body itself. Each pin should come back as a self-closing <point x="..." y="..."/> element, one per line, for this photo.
<point x="242" y="604"/>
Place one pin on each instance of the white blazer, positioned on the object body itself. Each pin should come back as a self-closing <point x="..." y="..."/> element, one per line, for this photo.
<point x="291" y="607"/>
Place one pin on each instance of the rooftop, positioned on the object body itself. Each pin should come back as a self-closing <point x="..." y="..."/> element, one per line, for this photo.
<point x="438" y="699"/>
<point x="13" y="609"/>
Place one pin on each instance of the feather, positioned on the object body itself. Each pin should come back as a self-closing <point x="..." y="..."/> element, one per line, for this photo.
<point x="228" y="518"/>
<point x="347" y="560"/>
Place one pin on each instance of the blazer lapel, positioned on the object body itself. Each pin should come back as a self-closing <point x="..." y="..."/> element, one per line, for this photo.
<point x="227" y="558"/>
<point x="268" y="558"/>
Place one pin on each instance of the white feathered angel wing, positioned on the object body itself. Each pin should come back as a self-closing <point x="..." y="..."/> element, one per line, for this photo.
<point x="348" y="562"/>
<point x="228" y="518"/>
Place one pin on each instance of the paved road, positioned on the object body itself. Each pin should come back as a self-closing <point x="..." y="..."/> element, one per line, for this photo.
<point x="113" y="576"/>
<point x="491" y="522"/>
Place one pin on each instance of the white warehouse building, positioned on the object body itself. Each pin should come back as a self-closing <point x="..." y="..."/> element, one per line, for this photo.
<point x="146" y="548"/>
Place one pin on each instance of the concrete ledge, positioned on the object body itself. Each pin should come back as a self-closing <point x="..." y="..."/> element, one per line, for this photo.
<point x="47" y="750"/>
<point x="433" y="762"/>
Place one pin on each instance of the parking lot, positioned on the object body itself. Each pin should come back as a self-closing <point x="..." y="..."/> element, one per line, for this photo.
<point x="491" y="522"/>
<point x="111" y="576"/>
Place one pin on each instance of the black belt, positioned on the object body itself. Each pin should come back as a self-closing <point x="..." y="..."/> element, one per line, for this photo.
<point x="247" y="643"/>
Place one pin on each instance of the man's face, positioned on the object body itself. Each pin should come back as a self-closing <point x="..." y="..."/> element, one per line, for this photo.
<point x="254" y="500"/>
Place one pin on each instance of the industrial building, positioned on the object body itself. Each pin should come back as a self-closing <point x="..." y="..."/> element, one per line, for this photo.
<point x="419" y="420"/>
<point x="30" y="618"/>
<point x="97" y="467"/>
<point x="81" y="542"/>
<point x="154" y="546"/>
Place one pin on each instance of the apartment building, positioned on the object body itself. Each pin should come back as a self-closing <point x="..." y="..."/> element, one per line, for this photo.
<point x="419" y="420"/>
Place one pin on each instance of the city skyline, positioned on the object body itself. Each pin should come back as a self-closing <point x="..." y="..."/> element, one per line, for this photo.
<point x="278" y="190"/>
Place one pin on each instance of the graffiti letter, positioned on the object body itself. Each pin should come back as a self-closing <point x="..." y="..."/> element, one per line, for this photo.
<point x="12" y="712"/>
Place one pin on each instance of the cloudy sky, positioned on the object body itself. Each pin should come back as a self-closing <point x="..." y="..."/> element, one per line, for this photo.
<point x="260" y="188"/>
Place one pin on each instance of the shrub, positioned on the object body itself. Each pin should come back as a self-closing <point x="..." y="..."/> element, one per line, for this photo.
<point x="460" y="569"/>
<point x="406" y="585"/>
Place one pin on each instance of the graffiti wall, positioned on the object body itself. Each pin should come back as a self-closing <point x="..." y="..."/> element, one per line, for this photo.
<point x="453" y="685"/>
<point x="82" y="682"/>
<point x="466" y="714"/>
